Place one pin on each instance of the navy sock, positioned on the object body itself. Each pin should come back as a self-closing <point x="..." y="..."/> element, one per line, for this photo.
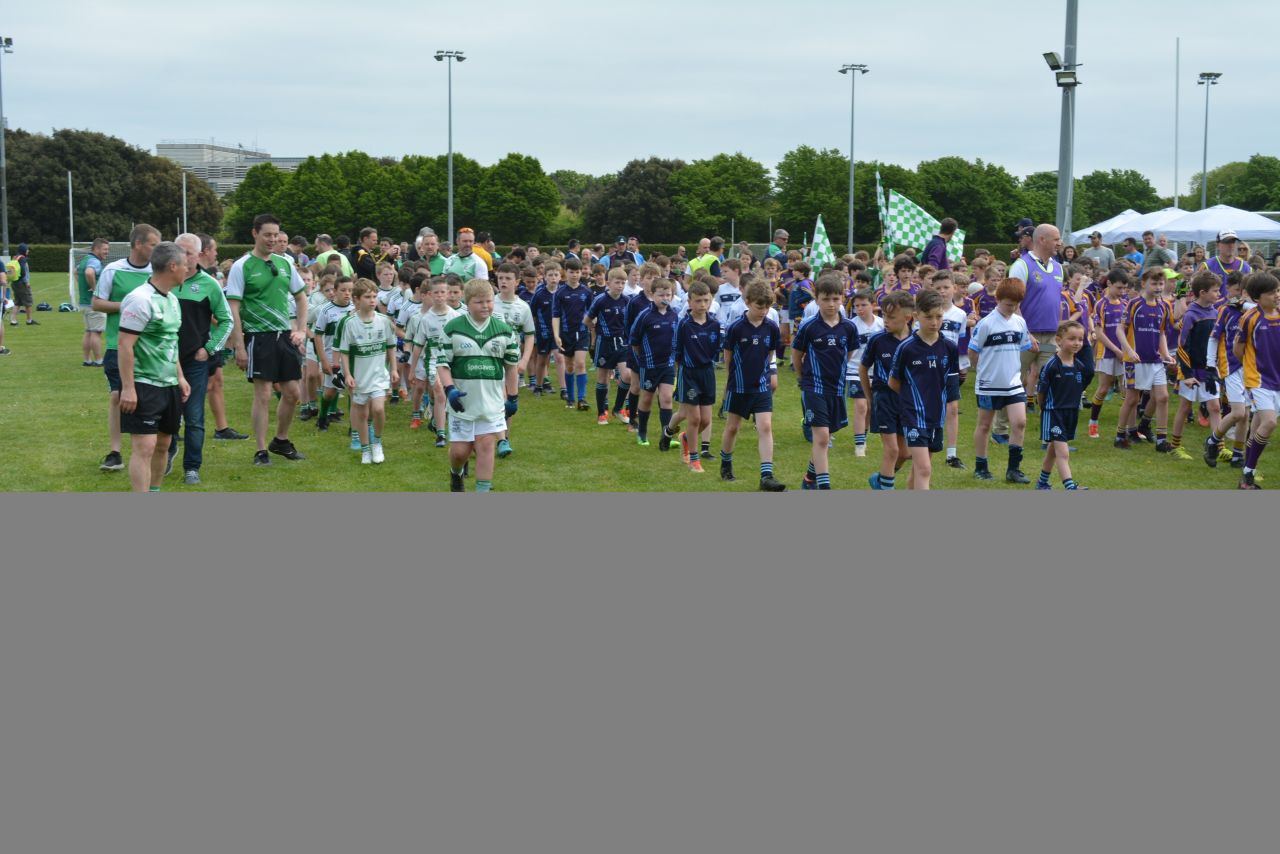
<point x="859" y="438"/>
<point x="664" y="418"/>
<point x="824" y="480"/>
<point x="602" y="397"/>
<point x="726" y="458"/>
<point x="644" y="425"/>
<point x="1044" y="477"/>
<point x="766" y="470"/>
<point x="1015" y="457"/>
<point x="633" y="406"/>
<point x="1069" y="484"/>
<point x="980" y="463"/>
<point x="812" y="473"/>
<point x="888" y="482"/>
<point x="621" y="396"/>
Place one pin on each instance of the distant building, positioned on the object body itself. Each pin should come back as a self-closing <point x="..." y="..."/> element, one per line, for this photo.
<point x="223" y="167"/>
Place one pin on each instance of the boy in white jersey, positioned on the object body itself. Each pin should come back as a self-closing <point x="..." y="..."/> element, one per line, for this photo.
<point x="411" y="314"/>
<point x="954" y="322"/>
<point x="996" y="353"/>
<point x="367" y="347"/>
<point x="864" y="317"/>
<point x="426" y="345"/>
<point x="323" y="333"/>
<point x="519" y="317"/>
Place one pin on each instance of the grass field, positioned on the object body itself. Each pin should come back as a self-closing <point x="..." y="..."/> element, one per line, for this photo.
<point x="53" y="418"/>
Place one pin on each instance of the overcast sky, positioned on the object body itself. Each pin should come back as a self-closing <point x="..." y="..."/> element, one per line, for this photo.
<point x="589" y="86"/>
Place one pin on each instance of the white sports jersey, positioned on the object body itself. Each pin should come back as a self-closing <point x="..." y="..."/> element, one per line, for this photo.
<point x="366" y="343"/>
<point x="327" y="319"/>
<point x="865" y="331"/>
<point x="517" y="314"/>
<point x="408" y="310"/>
<point x="725" y="297"/>
<point x="999" y="341"/>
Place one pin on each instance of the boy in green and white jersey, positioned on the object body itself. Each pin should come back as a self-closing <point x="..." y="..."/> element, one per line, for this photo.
<point x="319" y="292"/>
<point x="323" y="335"/>
<point x="367" y="343"/>
<point x="519" y="317"/>
<point x="477" y="360"/>
<point x="426" y="344"/>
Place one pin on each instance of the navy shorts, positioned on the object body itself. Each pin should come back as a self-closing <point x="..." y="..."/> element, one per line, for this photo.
<point x="824" y="410"/>
<point x="111" y="367"/>
<point x="1000" y="401"/>
<point x="696" y="386"/>
<point x="744" y="404"/>
<point x="854" y="389"/>
<point x="886" y="412"/>
<point x="611" y="351"/>
<point x="574" y="341"/>
<point x="651" y="378"/>
<point x="544" y="344"/>
<point x="953" y="387"/>
<point x="1059" y="425"/>
<point x="924" y="437"/>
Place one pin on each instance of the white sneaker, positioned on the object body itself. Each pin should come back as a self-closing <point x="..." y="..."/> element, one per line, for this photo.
<point x="378" y="456"/>
<point x="859" y="450"/>
<point x="366" y="456"/>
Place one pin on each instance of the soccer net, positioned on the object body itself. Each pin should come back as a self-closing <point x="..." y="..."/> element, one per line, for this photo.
<point x="76" y="254"/>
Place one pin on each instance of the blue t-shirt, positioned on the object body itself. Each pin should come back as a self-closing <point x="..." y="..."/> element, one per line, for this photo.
<point x="1060" y="385"/>
<point x="609" y="315"/>
<point x="636" y="306"/>
<point x="877" y="357"/>
<point x="750" y="347"/>
<point x="570" y="305"/>
<point x="922" y="369"/>
<point x="540" y="305"/>
<point x="826" y="350"/>
<point x="697" y="343"/>
<point x="799" y="296"/>
<point x="654" y="332"/>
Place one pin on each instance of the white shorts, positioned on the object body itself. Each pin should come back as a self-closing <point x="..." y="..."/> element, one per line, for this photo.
<point x="1235" y="387"/>
<point x="327" y="382"/>
<point x="1196" y="393"/>
<point x="311" y="351"/>
<point x="467" y="431"/>
<point x="94" y="321"/>
<point x="964" y="363"/>
<point x="1265" y="399"/>
<point x="1109" y="366"/>
<point x="420" y="371"/>
<point x="1145" y="376"/>
<point x="359" y="398"/>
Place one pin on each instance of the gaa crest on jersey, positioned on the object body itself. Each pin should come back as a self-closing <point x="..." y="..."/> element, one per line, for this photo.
<point x="1057" y="431"/>
<point x="195" y="287"/>
<point x="913" y="435"/>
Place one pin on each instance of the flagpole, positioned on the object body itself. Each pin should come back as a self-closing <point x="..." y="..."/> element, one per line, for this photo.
<point x="184" y="200"/>
<point x="71" y="209"/>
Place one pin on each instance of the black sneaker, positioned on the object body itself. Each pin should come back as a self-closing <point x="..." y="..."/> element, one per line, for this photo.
<point x="285" y="448"/>
<point x="707" y="455"/>
<point x="112" y="462"/>
<point x="726" y="471"/>
<point x="955" y="463"/>
<point x="261" y="458"/>
<point x="1247" y="481"/>
<point x="772" y="484"/>
<point x="546" y="386"/>
<point x="322" y="423"/>
<point x="1164" y="447"/>
<point x="664" y="441"/>
<point x="335" y="414"/>
<point x="1237" y="462"/>
<point x="1211" y="453"/>
<point x="455" y="482"/>
<point x="1016" y="476"/>
<point x="229" y="433"/>
<point x="564" y="394"/>
<point x="440" y="440"/>
<point x="307" y="414"/>
<point x="983" y="474"/>
<point x="1123" y="443"/>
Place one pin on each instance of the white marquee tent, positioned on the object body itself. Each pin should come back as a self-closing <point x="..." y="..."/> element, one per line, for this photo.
<point x="1203" y="226"/>
<point x="1082" y="236"/>
<point x="1154" y="221"/>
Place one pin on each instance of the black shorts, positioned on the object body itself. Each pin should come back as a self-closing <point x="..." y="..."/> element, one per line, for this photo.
<point x="651" y="378"/>
<point x="574" y="341"/>
<point x="744" y="404"/>
<point x="111" y="367"/>
<point x="924" y="437"/>
<point x="159" y="410"/>
<point x="853" y="388"/>
<point x="1059" y="425"/>
<point x="633" y="364"/>
<point x="544" y="344"/>
<point x="824" y="410"/>
<point x="611" y="351"/>
<point x="953" y="387"/>
<point x="216" y="361"/>
<point x="886" y="412"/>
<point x="272" y="357"/>
<point x="696" y="386"/>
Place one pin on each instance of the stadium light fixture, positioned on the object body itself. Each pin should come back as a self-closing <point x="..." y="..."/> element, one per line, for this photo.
<point x="1053" y="61"/>
<point x="1064" y="73"/>
<point x="1207" y="79"/>
<point x="853" y="101"/>
<point x="441" y="56"/>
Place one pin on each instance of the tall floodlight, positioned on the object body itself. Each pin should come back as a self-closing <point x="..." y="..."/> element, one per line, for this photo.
<point x="853" y="102"/>
<point x="441" y="56"/>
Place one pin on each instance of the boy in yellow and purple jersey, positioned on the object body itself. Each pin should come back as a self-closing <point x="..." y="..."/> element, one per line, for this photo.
<point x="1222" y="357"/>
<point x="1257" y="346"/>
<point x="1108" y="316"/>
<point x="1146" y="320"/>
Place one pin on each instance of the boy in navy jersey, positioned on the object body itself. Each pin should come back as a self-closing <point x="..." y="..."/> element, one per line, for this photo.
<point x="568" y="316"/>
<point x="800" y="293"/>
<point x="652" y="339"/>
<point x="1198" y="383"/>
<point x="697" y="344"/>
<point x="1146" y="353"/>
<point x="605" y="318"/>
<point x="637" y="303"/>
<point x="544" y="340"/>
<point x="862" y="313"/>
<point x="819" y="351"/>
<point x="1058" y="391"/>
<point x="751" y="344"/>
<point x="923" y="366"/>
<point x="898" y="310"/>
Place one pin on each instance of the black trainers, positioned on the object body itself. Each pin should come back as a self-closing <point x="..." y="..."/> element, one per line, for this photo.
<point x="229" y="433"/>
<point x="455" y="482"/>
<point x="772" y="484"/>
<point x="322" y="423"/>
<point x="440" y="441"/>
<point x="707" y="455"/>
<point x="955" y="463"/>
<point x="307" y="414"/>
<point x="285" y="448"/>
<point x="261" y="458"/>
<point x="1247" y="481"/>
<point x="1211" y="453"/>
<point x="1016" y="476"/>
<point x="1237" y="462"/>
<point x="112" y="462"/>
<point x="983" y="474"/>
<point x="726" y="471"/>
<point x="1123" y="443"/>
<point x="664" y="441"/>
<point x="1164" y="447"/>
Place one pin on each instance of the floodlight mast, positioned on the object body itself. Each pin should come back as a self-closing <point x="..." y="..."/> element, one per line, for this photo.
<point x="857" y="68"/>
<point x="441" y="56"/>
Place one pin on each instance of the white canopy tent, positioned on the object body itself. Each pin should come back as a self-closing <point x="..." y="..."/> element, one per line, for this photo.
<point x="1134" y="227"/>
<point x="1203" y="226"/>
<point x="1082" y="236"/>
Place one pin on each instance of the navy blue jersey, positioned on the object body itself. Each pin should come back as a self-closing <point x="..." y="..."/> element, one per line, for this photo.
<point x="540" y="305"/>
<point x="697" y="343"/>
<point x="609" y="315"/>
<point x="750" y="347"/>
<point x="654" y="332"/>
<point x="570" y="305"/>
<point x="1061" y="385"/>
<point x="922" y="369"/>
<point x="636" y="305"/>
<point x="826" y="350"/>
<point x="523" y="292"/>
<point x="877" y="356"/>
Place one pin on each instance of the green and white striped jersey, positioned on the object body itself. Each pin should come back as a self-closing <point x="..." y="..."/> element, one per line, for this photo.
<point x="117" y="280"/>
<point x="477" y="357"/>
<point x="155" y="318"/>
<point x="264" y="290"/>
<point x="366" y="343"/>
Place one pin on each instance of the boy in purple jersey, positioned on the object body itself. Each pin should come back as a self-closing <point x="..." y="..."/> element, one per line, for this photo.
<point x="819" y="351"/>
<point x="1108" y="317"/>
<point x="1257" y="346"/>
<point x="544" y="340"/>
<point x="652" y="339"/>
<point x="568" y="326"/>
<point x="898" y="309"/>
<point x="923" y="366"/>
<point x="751" y="344"/>
<point x="1198" y="383"/>
<point x="697" y="344"/>
<point x="1061" y="383"/>
<point x="1222" y="357"/>
<point x="984" y="302"/>
<point x="1146" y="355"/>
<point x="605" y="317"/>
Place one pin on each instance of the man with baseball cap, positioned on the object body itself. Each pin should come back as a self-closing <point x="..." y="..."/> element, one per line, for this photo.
<point x="1099" y="254"/>
<point x="1022" y="232"/>
<point x="620" y="255"/>
<point x="1226" y="261"/>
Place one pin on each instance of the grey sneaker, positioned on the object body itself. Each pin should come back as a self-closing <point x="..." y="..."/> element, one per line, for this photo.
<point x="191" y="478"/>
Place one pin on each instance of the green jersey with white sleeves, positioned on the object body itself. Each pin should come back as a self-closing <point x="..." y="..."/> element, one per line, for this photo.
<point x="155" y="318"/>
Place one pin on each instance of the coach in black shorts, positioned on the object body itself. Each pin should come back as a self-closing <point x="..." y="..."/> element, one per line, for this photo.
<point x="268" y="345"/>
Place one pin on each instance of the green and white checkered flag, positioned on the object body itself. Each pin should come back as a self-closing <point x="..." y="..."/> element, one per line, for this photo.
<point x="911" y="225"/>
<point x="882" y="207"/>
<point x="955" y="248"/>
<point x="821" y="255"/>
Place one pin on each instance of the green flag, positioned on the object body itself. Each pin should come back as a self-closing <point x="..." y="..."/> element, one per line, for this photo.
<point x="912" y="225"/>
<point x="821" y="255"/>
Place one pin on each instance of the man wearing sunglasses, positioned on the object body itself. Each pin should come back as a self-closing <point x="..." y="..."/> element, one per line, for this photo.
<point x="268" y="344"/>
<point x="465" y="263"/>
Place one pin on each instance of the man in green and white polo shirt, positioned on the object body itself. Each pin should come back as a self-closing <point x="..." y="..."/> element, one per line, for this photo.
<point x="117" y="280"/>
<point x="268" y="343"/>
<point x="465" y="263"/>
<point x="152" y="387"/>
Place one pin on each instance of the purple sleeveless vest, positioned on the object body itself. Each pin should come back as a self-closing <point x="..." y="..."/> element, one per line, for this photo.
<point x="1042" y="306"/>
